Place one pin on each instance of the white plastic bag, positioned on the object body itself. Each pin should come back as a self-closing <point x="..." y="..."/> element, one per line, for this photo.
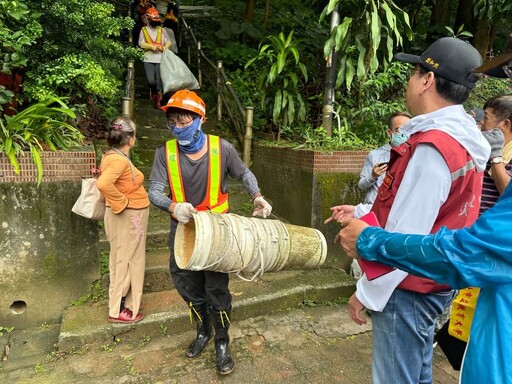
<point x="90" y="203"/>
<point x="175" y="73"/>
<point x="172" y="38"/>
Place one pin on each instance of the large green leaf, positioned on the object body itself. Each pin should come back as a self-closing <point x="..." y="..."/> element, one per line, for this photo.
<point x="361" y="70"/>
<point x="36" y="158"/>
<point x="341" y="32"/>
<point x="291" y="109"/>
<point x="281" y="61"/>
<point x="331" y="5"/>
<point x="349" y="73"/>
<point x="390" y="16"/>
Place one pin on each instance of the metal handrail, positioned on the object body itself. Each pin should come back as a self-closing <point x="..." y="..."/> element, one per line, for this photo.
<point x="128" y="100"/>
<point x="241" y="118"/>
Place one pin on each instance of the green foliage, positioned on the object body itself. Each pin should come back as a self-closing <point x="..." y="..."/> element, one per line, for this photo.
<point x="41" y="126"/>
<point x="367" y="106"/>
<point x="104" y="260"/>
<point x="460" y="32"/>
<point x="6" y="329"/>
<point x="310" y="137"/>
<point x="366" y="38"/>
<point x="233" y="54"/>
<point x="78" y="74"/>
<point x="230" y="30"/>
<point x="5" y="96"/>
<point x="493" y="10"/>
<point x="487" y="88"/>
<point x="282" y="74"/>
<point x="80" y="54"/>
<point x="19" y="29"/>
<point x="97" y="294"/>
<point x="40" y="368"/>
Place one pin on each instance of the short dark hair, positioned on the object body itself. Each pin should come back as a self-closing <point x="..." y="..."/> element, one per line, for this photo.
<point x="173" y="111"/>
<point x="397" y="114"/>
<point x="502" y="106"/>
<point x="449" y="90"/>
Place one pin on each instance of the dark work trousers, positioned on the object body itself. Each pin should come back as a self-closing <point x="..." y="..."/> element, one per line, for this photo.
<point x="199" y="287"/>
<point x="153" y="76"/>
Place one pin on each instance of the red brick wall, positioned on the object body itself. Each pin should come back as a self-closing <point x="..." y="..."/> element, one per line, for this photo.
<point x="316" y="161"/>
<point x="57" y="166"/>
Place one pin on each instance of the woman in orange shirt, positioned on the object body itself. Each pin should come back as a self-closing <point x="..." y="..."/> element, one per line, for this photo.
<point x="126" y="221"/>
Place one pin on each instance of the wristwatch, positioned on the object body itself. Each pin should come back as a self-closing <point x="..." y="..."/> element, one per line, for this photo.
<point x="497" y="160"/>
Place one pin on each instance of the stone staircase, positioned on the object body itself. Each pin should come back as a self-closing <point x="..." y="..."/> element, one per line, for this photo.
<point x="164" y="310"/>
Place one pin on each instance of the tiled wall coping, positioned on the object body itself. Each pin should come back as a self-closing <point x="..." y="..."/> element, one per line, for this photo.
<point x="316" y="161"/>
<point x="57" y="166"/>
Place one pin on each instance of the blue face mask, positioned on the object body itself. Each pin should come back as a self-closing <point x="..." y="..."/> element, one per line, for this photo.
<point x="190" y="139"/>
<point x="398" y="139"/>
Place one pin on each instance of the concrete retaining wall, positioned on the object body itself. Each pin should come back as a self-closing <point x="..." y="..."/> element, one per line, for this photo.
<point x="49" y="256"/>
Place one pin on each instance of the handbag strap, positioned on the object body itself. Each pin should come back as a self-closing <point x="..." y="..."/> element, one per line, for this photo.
<point x="127" y="158"/>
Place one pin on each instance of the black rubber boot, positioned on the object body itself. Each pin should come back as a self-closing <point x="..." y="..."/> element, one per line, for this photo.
<point x="204" y="329"/>
<point x="225" y="363"/>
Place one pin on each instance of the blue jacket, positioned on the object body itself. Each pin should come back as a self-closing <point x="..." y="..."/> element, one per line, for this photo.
<point x="478" y="256"/>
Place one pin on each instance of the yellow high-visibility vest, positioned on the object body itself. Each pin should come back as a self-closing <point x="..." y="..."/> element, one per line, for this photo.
<point x="215" y="200"/>
<point x="148" y="38"/>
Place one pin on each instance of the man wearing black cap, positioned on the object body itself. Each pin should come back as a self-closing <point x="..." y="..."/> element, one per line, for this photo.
<point x="434" y="179"/>
<point x="478" y="256"/>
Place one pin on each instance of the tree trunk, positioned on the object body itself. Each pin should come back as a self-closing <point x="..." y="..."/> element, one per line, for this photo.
<point x="267" y="12"/>
<point x="440" y="12"/>
<point x="482" y="37"/>
<point x="465" y="16"/>
<point x="249" y="10"/>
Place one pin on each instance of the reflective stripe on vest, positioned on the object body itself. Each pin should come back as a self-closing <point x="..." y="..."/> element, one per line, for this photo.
<point x="215" y="200"/>
<point x="148" y="38"/>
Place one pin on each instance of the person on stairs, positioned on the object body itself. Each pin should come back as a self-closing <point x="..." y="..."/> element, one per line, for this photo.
<point x="126" y="221"/>
<point x="172" y="22"/>
<point x="153" y="39"/>
<point x="195" y="167"/>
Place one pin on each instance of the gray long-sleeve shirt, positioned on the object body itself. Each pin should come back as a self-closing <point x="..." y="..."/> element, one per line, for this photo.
<point x="195" y="174"/>
<point x="366" y="181"/>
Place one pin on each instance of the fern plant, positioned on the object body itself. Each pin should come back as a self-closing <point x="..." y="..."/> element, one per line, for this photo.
<point x="40" y="126"/>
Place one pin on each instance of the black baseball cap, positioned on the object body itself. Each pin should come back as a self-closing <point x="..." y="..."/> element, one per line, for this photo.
<point x="450" y="58"/>
<point x="500" y="66"/>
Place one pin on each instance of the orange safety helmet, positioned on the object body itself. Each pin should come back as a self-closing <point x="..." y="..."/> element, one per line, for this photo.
<point x="187" y="100"/>
<point x="152" y="14"/>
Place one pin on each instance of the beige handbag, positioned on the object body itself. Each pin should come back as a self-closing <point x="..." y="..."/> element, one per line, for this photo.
<point x="90" y="203"/>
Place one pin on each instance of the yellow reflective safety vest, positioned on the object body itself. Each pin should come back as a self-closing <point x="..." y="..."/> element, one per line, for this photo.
<point x="215" y="200"/>
<point x="148" y="38"/>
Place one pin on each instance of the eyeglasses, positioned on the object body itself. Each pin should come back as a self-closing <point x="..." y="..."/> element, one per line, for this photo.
<point x="178" y="124"/>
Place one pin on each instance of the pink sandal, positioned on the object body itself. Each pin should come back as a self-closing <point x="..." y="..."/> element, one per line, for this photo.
<point x="125" y="316"/>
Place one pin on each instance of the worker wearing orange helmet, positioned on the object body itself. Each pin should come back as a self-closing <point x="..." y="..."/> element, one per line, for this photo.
<point x="153" y="39"/>
<point x="195" y="168"/>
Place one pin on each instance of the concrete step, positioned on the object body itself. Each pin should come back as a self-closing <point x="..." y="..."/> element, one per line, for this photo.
<point x="166" y="311"/>
<point x="150" y="143"/>
<point x="156" y="277"/>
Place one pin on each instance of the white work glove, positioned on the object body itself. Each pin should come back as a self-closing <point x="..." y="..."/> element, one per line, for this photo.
<point x="261" y="207"/>
<point x="184" y="212"/>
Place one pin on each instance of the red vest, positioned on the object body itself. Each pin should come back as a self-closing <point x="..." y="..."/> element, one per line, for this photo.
<point x="463" y="202"/>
